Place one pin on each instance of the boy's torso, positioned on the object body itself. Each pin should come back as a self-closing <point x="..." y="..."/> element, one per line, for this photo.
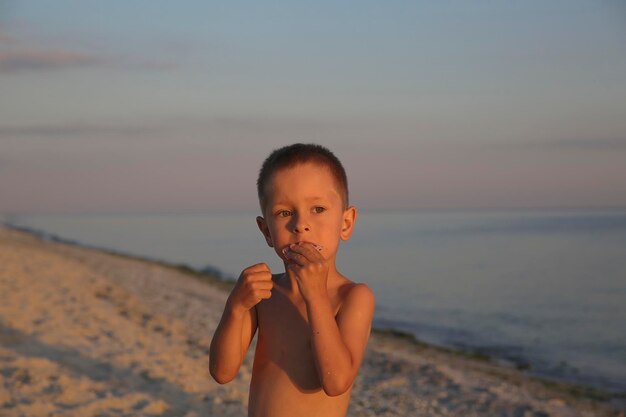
<point x="284" y="376"/>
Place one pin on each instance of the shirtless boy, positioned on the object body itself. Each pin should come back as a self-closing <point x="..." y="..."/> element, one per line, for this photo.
<point x="313" y="322"/>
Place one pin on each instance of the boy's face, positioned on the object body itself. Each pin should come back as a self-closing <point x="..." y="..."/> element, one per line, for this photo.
<point x="305" y="205"/>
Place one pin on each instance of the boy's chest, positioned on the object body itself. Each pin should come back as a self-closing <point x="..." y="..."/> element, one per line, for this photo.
<point x="282" y="317"/>
<point x="283" y="320"/>
<point x="284" y="343"/>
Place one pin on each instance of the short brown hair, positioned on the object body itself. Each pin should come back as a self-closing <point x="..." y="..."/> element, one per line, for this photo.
<point x="300" y="153"/>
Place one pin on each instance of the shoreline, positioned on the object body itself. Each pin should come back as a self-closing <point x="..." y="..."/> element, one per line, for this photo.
<point x="396" y="359"/>
<point x="214" y="276"/>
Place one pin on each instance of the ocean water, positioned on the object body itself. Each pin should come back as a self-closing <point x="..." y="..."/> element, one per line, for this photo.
<point x="541" y="290"/>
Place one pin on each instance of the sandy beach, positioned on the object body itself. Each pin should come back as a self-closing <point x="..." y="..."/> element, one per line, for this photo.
<point x="89" y="333"/>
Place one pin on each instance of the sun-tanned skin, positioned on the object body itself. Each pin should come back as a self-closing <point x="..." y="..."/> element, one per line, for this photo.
<point x="313" y="322"/>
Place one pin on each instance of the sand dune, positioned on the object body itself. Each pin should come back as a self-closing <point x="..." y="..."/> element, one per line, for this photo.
<point x="87" y="333"/>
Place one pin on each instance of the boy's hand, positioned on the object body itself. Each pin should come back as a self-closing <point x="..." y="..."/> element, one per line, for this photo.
<point x="309" y="268"/>
<point x="254" y="284"/>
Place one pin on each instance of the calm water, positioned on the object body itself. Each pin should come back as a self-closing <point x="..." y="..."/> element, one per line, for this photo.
<point x="539" y="289"/>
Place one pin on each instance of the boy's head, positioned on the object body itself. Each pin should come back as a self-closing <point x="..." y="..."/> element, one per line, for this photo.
<point x="303" y="193"/>
<point x="299" y="153"/>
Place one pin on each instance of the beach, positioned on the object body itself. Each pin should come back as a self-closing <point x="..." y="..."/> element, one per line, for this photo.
<point x="84" y="332"/>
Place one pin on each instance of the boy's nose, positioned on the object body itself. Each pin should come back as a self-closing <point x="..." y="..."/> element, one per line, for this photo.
<point x="300" y="225"/>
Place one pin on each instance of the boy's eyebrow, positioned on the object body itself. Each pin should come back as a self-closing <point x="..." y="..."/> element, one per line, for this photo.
<point x="309" y="199"/>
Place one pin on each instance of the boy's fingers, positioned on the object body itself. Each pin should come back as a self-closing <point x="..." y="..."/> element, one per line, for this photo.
<point x="260" y="267"/>
<point x="297" y="253"/>
<point x="307" y="249"/>
<point x="265" y="295"/>
<point x="263" y="285"/>
<point x="297" y="258"/>
<point x="258" y="272"/>
<point x="262" y="295"/>
<point x="259" y="276"/>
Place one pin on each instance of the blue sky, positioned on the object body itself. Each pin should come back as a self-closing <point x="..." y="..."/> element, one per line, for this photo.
<point x="152" y="106"/>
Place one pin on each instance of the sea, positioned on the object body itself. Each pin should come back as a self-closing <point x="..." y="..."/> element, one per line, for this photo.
<point x="543" y="291"/>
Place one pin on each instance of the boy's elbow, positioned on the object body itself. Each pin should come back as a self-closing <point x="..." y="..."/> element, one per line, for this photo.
<point x="336" y="387"/>
<point x="219" y="375"/>
<point x="222" y="379"/>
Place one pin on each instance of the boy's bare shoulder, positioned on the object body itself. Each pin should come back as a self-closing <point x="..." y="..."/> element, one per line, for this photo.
<point x="354" y="294"/>
<point x="352" y="289"/>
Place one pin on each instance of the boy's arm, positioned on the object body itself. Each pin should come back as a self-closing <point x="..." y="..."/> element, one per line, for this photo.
<point x="339" y="344"/>
<point x="238" y="323"/>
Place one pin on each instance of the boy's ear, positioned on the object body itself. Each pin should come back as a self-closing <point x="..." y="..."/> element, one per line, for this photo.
<point x="260" y="221"/>
<point x="347" y="226"/>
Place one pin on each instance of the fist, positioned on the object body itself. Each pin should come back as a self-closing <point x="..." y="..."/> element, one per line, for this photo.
<point x="254" y="284"/>
<point x="309" y="268"/>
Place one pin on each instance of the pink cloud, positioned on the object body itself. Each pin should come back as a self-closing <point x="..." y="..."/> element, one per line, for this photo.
<point x="18" y="60"/>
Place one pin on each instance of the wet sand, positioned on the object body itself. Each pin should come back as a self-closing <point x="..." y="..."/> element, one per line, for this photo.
<point x="89" y="333"/>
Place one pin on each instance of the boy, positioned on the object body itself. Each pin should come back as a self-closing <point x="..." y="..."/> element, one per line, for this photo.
<point x="313" y="322"/>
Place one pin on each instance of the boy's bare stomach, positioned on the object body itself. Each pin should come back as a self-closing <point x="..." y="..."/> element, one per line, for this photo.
<point x="273" y="393"/>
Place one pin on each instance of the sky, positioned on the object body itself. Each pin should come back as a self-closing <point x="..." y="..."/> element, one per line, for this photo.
<point x="154" y="106"/>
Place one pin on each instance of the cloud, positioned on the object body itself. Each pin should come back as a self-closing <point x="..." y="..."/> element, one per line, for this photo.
<point x="19" y="60"/>
<point x="70" y="130"/>
<point x="17" y="56"/>
<point x="150" y="65"/>
<point x="30" y="60"/>
<point x="599" y="144"/>
<point x="590" y="144"/>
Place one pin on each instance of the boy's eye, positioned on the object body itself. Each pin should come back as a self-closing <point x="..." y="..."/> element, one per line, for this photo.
<point x="318" y="209"/>
<point x="284" y="213"/>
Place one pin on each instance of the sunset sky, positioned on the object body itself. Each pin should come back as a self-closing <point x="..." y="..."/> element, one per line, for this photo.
<point x="153" y="106"/>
